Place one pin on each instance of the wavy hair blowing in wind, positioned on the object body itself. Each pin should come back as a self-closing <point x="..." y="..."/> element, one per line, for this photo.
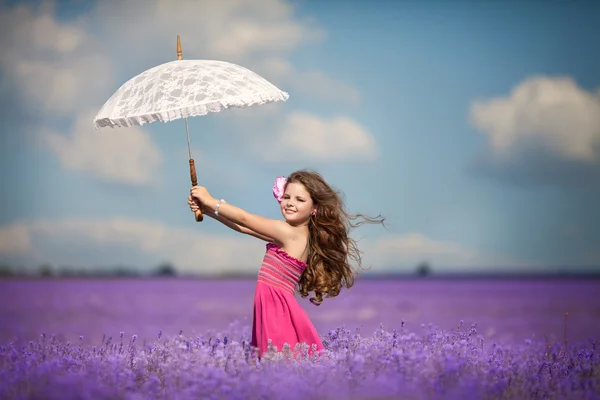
<point x="330" y="248"/>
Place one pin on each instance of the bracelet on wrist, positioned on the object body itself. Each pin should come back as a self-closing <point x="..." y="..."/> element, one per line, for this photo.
<point x="219" y="205"/>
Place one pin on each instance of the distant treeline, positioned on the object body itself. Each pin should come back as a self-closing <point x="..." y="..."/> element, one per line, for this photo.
<point x="47" y="270"/>
<point x="166" y="270"/>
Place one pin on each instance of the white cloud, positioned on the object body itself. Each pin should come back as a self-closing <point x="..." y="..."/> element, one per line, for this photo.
<point x="62" y="88"/>
<point x="553" y="114"/>
<point x="245" y="35"/>
<point x="192" y="250"/>
<point x="27" y="30"/>
<point x="117" y="155"/>
<point x="15" y="239"/>
<point x="51" y="35"/>
<point x="233" y="30"/>
<point x="304" y="136"/>
<point x="53" y="65"/>
<point x="406" y="251"/>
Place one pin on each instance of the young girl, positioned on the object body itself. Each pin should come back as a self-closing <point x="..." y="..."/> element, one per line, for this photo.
<point x="309" y="250"/>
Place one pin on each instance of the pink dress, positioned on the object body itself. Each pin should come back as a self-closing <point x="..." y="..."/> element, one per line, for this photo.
<point x="277" y="314"/>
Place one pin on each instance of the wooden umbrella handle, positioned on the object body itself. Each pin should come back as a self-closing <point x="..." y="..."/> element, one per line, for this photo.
<point x="194" y="178"/>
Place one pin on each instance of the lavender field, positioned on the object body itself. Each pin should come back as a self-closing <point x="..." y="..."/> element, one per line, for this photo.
<point x="175" y="338"/>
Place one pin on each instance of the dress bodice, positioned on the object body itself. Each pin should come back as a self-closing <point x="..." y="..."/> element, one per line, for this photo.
<point x="279" y="269"/>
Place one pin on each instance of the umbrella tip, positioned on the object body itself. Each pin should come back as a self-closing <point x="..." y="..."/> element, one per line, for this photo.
<point x="179" y="52"/>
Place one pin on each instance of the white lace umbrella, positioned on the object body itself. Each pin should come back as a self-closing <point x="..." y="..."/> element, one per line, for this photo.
<point x="182" y="89"/>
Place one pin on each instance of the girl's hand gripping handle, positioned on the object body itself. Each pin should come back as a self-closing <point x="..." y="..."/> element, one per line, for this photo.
<point x="194" y="178"/>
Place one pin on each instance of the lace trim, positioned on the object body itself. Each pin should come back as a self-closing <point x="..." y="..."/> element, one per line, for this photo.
<point x="285" y="255"/>
<point x="193" y="111"/>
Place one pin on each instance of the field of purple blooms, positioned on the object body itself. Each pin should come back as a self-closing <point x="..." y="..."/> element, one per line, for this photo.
<point x="414" y="339"/>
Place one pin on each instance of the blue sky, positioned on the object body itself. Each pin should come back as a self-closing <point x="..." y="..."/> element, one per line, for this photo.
<point x="481" y="123"/>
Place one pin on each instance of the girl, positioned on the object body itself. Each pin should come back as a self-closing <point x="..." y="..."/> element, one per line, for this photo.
<point x="310" y="250"/>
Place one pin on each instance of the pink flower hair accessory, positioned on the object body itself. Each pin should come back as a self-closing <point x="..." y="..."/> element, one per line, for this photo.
<point x="279" y="188"/>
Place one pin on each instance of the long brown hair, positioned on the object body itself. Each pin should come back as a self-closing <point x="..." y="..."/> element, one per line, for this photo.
<point x="330" y="249"/>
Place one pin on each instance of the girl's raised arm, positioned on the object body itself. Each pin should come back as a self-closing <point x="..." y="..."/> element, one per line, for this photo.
<point x="230" y="224"/>
<point x="280" y="231"/>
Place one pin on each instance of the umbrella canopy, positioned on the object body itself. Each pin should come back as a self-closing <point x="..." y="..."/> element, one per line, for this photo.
<point x="185" y="88"/>
<point x="182" y="89"/>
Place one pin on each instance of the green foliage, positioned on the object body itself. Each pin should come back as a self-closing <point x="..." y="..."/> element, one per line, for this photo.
<point x="45" y="270"/>
<point x="165" y="269"/>
<point x="423" y="269"/>
<point x="5" y="271"/>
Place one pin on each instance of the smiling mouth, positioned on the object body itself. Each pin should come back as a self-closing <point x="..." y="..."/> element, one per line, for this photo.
<point x="289" y="211"/>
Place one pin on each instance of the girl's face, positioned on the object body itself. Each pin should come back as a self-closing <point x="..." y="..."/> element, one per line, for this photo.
<point x="296" y="204"/>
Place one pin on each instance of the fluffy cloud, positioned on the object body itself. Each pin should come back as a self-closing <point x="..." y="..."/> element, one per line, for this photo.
<point x="111" y="154"/>
<point x="301" y="136"/>
<point x="61" y="90"/>
<point x="119" y="241"/>
<point x="404" y="252"/>
<point x="192" y="250"/>
<point x="549" y="112"/>
<point x="15" y="239"/>
<point x="52" y="65"/>
<point x="233" y="30"/>
<point x="545" y="125"/>
<point x="305" y="136"/>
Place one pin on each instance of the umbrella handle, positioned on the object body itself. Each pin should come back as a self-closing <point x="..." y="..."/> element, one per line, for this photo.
<point x="194" y="178"/>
